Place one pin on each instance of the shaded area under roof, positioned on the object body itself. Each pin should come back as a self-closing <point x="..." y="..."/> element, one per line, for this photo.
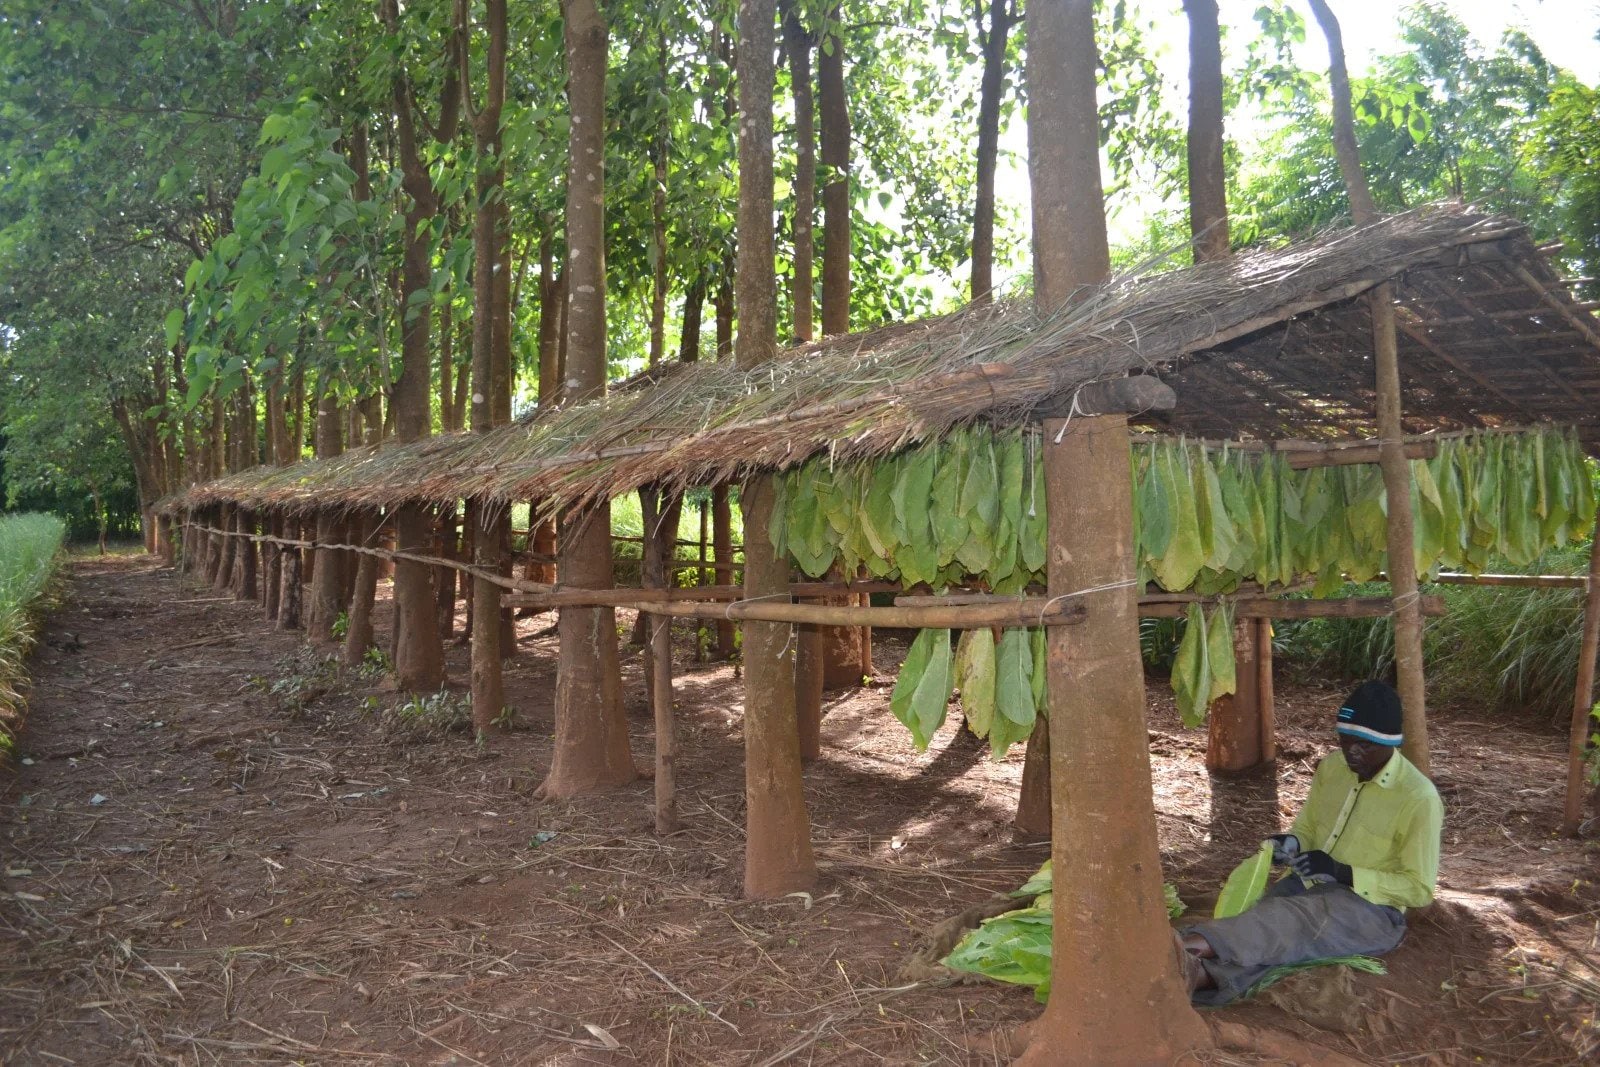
<point x="1273" y="343"/>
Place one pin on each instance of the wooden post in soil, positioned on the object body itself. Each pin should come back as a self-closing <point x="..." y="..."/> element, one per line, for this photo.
<point x="364" y="530"/>
<point x="488" y="683"/>
<point x="327" y="580"/>
<point x="658" y="662"/>
<point x="272" y="567"/>
<point x="244" y="557"/>
<point x="222" y="579"/>
<point x="289" y="592"/>
<point x="1268" y="717"/>
<point x="1033" y="800"/>
<point x="777" y="858"/>
<point x="1233" y="741"/>
<point x="1116" y="996"/>
<point x="722" y="550"/>
<point x="1583" y="694"/>
<point x="808" y="689"/>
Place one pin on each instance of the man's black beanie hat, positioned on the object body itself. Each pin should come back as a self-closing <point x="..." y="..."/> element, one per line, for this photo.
<point x="1372" y="713"/>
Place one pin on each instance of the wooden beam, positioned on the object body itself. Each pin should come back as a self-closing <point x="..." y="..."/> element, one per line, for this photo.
<point x="1029" y="611"/>
<point x="615" y="598"/>
<point x="1367" y="607"/>
<point x="1119" y="396"/>
<point x="1578" y="322"/>
<point x="1264" y="690"/>
<point x="1345" y="457"/>
<point x="658" y="651"/>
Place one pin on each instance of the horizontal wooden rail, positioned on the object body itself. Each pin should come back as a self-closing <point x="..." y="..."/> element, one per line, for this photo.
<point x="616" y="598"/>
<point x="1527" y="581"/>
<point x="517" y="584"/>
<point x="1365" y="607"/>
<point x="1032" y="611"/>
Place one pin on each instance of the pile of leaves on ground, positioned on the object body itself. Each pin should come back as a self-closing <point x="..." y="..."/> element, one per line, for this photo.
<point x="30" y="546"/>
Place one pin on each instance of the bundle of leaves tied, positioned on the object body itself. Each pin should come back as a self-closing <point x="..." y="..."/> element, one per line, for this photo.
<point x="970" y="509"/>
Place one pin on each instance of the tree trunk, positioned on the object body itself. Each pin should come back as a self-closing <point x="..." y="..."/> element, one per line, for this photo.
<point x="419" y="656"/>
<point x="798" y="43"/>
<point x="658" y="662"/>
<point x="271" y="586"/>
<point x="836" y="192"/>
<point x="364" y="530"/>
<point x="658" y="222"/>
<point x="1033" y="802"/>
<point x="1392" y="459"/>
<point x="778" y="856"/>
<point x="488" y="686"/>
<point x="222" y="580"/>
<point x="1208" y="192"/>
<point x="449" y="544"/>
<point x="244" y="557"/>
<point x="722" y="549"/>
<point x="993" y="41"/>
<point x="289" y="571"/>
<point x="1116" y="995"/>
<point x="1233" y="725"/>
<point x="693" y="306"/>
<point x="327" y="577"/>
<point x="808" y="689"/>
<point x="591" y="743"/>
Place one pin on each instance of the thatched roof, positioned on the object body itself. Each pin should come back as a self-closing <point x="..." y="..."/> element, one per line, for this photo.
<point x="1272" y="343"/>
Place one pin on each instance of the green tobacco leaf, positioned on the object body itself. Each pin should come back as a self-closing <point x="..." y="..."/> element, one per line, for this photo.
<point x="975" y="677"/>
<point x="1245" y="885"/>
<point x="1014" y="706"/>
<point x="1176" y="567"/>
<point x="1219" y="654"/>
<point x="1191" y="673"/>
<point x="921" y="694"/>
<point x="948" y="521"/>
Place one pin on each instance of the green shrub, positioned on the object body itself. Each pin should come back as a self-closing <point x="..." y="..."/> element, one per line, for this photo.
<point x="30" y="546"/>
<point x="1514" y="647"/>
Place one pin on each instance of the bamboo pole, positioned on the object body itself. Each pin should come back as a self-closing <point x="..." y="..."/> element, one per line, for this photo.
<point x="658" y="653"/>
<point x="1583" y="693"/>
<point x="616" y="598"/>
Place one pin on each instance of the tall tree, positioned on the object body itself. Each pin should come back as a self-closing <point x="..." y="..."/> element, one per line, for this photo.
<point x="591" y="746"/>
<point x="1208" y="194"/>
<point x="798" y="44"/>
<point x="992" y="42"/>
<point x="835" y="107"/>
<point x="1115" y="992"/>
<point x="778" y="856"/>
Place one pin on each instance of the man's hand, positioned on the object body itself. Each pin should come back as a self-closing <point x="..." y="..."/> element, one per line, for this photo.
<point x="1318" y="866"/>
<point x="1285" y="847"/>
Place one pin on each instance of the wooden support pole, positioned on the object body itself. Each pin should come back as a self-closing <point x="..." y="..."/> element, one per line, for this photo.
<point x="616" y="598"/>
<point x="1029" y="611"/>
<point x="488" y="686"/>
<point x="1233" y="726"/>
<point x="658" y="663"/>
<point x="1264" y="694"/>
<point x="1364" y="607"/>
<point x="1583" y="694"/>
<point x="1402" y="566"/>
<point x="809" y="643"/>
<point x="1112" y="947"/>
<point x="365" y="528"/>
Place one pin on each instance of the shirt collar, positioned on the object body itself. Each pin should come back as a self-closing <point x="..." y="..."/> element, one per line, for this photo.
<point x="1390" y="773"/>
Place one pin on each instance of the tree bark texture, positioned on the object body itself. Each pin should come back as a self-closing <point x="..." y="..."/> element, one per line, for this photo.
<point x="228" y="547"/>
<point x="835" y="107"/>
<point x="289" y="571"/>
<point x="1069" y="222"/>
<point x="591" y="745"/>
<point x="364" y="530"/>
<point x="1208" y="192"/>
<point x="1583" y="694"/>
<point x="244" y="558"/>
<point x="1116" y="995"/>
<point x="1033" y="801"/>
<point x="797" y="44"/>
<point x="1233" y="724"/>
<point x="993" y="40"/>
<point x="778" y="856"/>
<point x="722" y="550"/>
<point x="808" y="688"/>
<point x="658" y="663"/>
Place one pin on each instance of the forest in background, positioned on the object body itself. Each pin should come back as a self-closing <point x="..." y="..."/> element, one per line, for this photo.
<point x="222" y="223"/>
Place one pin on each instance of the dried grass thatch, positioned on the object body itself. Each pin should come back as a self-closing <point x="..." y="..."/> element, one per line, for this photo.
<point x="1224" y="333"/>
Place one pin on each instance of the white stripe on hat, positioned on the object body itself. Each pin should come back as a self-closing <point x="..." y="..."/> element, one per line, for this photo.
<point x="1366" y="733"/>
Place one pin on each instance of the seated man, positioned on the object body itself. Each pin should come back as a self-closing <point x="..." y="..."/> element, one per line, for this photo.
<point x="1364" y="848"/>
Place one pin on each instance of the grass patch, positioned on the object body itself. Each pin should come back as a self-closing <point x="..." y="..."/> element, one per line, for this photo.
<point x="30" y="546"/>
<point x="1513" y="648"/>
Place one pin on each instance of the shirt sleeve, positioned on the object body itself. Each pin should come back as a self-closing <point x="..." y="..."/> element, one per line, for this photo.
<point x="1310" y="825"/>
<point x="1409" y="881"/>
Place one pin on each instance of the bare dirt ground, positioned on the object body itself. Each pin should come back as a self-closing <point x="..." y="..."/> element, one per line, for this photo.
<point x="200" y="872"/>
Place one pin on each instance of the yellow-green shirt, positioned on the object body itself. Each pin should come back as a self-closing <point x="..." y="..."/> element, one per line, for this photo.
<point x="1386" y="829"/>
